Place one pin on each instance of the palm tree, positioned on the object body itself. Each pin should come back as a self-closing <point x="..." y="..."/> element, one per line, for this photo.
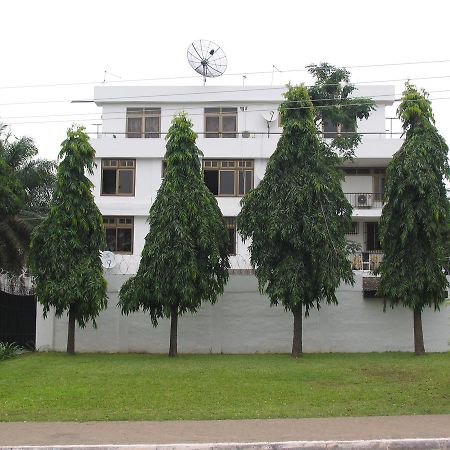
<point x="36" y="179"/>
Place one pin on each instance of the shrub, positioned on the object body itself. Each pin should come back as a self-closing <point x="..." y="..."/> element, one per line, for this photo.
<point x="9" y="350"/>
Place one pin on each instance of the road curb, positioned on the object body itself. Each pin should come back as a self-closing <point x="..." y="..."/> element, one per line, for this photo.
<point x="375" y="444"/>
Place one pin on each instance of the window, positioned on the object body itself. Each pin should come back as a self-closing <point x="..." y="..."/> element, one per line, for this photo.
<point x="119" y="234"/>
<point x="330" y="131"/>
<point x="231" y="227"/>
<point x="372" y="236"/>
<point x="378" y="185"/>
<point x="118" y="176"/>
<point x="220" y="122"/>
<point x="143" y="122"/>
<point x="354" y="228"/>
<point x="232" y="178"/>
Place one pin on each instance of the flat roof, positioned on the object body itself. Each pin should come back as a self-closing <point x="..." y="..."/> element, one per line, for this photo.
<point x="382" y="94"/>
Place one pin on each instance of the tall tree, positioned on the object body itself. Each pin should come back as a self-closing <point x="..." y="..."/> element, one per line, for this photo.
<point x="11" y="191"/>
<point x="36" y="180"/>
<point x="414" y="221"/>
<point x="65" y="248"/>
<point x="297" y="218"/>
<point x="185" y="257"/>
<point x="337" y="107"/>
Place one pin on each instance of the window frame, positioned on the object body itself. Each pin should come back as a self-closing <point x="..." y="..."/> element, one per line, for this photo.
<point x="230" y="223"/>
<point x="339" y="129"/>
<point x="224" y="165"/>
<point x="220" y="114"/>
<point x="354" y="230"/>
<point x="120" y="226"/>
<point x="118" y="169"/>
<point x="142" y="114"/>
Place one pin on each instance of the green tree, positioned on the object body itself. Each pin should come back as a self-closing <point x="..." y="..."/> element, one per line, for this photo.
<point x="413" y="225"/>
<point x="297" y="218"/>
<point x="65" y="247"/>
<point x="34" y="178"/>
<point x="185" y="257"/>
<point x="335" y="105"/>
<point x="11" y="191"/>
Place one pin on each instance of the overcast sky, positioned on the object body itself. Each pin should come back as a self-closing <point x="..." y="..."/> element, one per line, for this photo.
<point x="54" y="42"/>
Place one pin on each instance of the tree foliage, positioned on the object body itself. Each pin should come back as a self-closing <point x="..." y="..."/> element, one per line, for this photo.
<point x="414" y="222"/>
<point x="36" y="175"/>
<point x="332" y="97"/>
<point x="297" y="216"/>
<point x="185" y="257"/>
<point x="11" y="191"/>
<point x="26" y="184"/>
<point x="65" y="249"/>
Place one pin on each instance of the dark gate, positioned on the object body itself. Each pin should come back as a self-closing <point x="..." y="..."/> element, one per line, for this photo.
<point x="18" y="319"/>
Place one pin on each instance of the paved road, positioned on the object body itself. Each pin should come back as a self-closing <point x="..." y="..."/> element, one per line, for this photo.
<point x="172" y="432"/>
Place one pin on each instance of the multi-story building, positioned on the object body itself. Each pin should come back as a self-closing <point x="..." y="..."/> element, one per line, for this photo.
<point x="236" y="140"/>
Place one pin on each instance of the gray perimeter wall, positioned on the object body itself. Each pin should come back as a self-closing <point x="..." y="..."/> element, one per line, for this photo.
<point x="243" y="322"/>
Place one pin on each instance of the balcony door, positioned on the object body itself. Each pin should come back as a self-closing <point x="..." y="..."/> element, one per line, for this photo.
<point x="372" y="236"/>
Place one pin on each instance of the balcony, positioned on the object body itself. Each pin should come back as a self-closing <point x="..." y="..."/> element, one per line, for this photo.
<point x="368" y="261"/>
<point x="365" y="200"/>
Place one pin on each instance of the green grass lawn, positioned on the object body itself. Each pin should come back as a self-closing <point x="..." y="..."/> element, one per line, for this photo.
<point x="53" y="386"/>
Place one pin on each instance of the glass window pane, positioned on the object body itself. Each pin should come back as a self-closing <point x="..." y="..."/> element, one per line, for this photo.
<point x="152" y="127"/>
<point x="226" y="182"/>
<point x="248" y="180"/>
<point x="134" y="127"/>
<point x="155" y="111"/>
<point x="229" y="125"/>
<point x="110" y="239"/>
<point x="241" y="182"/>
<point x="134" y="110"/>
<point x="345" y="129"/>
<point x="125" y="182"/>
<point x="211" y="178"/>
<point x="124" y="240"/>
<point x="245" y="181"/>
<point x="229" y="110"/>
<point x="329" y="130"/>
<point x="212" y="126"/>
<point x="232" y="241"/>
<point x="109" y="181"/>
<point x="212" y="110"/>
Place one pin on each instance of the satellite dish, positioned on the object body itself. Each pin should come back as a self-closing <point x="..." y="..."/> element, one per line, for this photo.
<point x="207" y="59"/>
<point x="270" y="116"/>
<point x="108" y="259"/>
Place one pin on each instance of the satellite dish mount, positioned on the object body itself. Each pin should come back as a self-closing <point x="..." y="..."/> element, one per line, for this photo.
<point x="207" y="59"/>
<point x="270" y="116"/>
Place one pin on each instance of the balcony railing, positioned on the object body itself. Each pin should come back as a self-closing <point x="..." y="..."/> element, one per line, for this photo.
<point x="366" y="261"/>
<point x="365" y="200"/>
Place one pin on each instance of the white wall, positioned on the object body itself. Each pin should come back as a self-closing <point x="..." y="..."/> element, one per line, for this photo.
<point x="358" y="184"/>
<point x="243" y="322"/>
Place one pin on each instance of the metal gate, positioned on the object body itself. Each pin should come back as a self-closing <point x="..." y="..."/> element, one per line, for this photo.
<point x="18" y="320"/>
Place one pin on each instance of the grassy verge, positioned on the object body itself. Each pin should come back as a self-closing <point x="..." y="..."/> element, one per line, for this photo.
<point x="85" y="387"/>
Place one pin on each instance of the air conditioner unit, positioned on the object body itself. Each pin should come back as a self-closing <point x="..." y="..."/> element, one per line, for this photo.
<point x="362" y="200"/>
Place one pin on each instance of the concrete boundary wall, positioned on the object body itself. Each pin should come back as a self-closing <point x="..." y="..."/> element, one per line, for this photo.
<point x="243" y="322"/>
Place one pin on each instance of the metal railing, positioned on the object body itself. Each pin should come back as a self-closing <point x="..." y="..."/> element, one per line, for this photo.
<point x="365" y="200"/>
<point x="368" y="261"/>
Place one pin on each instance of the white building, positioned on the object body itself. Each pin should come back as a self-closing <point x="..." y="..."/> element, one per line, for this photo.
<point x="236" y="142"/>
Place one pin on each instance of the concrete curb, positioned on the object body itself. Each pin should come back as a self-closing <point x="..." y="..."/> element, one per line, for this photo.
<point x="376" y="444"/>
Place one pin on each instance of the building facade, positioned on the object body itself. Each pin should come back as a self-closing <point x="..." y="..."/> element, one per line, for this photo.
<point x="237" y="133"/>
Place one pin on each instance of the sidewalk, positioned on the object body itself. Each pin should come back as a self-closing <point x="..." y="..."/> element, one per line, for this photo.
<point x="110" y="434"/>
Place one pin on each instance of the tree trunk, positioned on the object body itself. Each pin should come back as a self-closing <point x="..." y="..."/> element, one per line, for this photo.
<point x="419" y="348"/>
<point x="173" y="330"/>
<point x="71" y="331"/>
<point x="297" y="343"/>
